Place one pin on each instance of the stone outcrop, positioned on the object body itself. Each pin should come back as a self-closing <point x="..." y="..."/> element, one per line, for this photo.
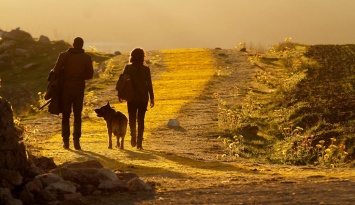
<point x="18" y="35"/>
<point x="12" y="150"/>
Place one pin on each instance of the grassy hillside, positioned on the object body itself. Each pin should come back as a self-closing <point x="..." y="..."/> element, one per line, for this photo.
<point x="300" y="109"/>
<point x="22" y="81"/>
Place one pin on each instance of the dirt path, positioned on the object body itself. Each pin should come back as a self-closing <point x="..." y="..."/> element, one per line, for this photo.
<point x="183" y="162"/>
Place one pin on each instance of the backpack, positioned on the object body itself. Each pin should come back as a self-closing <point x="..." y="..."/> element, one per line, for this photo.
<point x="124" y="87"/>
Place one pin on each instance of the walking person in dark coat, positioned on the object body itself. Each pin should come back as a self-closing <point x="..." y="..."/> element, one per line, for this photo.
<point x="75" y="66"/>
<point x="143" y="92"/>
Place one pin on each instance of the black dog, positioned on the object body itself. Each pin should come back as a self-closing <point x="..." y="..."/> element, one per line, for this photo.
<point x="116" y="123"/>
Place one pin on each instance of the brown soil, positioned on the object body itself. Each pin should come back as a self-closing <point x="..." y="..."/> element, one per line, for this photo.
<point x="182" y="163"/>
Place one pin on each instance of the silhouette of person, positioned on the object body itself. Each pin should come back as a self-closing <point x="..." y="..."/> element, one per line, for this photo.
<point x="74" y="66"/>
<point x="143" y="92"/>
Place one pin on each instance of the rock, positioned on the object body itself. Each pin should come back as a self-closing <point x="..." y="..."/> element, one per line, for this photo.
<point x="72" y="197"/>
<point x="173" y="123"/>
<point x="44" y="40"/>
<point x="48" y="179"/>
<point x="12" y="177"/>
<point x="5" y="57"/>
<point x="34" y="186"/>
<point x="6" y="197"/>
<point x="137" y="184"/>
<point x="34" y="171"/>
<point x="43" y="162"/>
<point x="86" y="176"/>
<point x="85" y="164"/>
<point x="243" y="50"/>
<point x="30" y="66"/>
<point x="113" y="185"/>
<point x="47" y="195"/>
<point x="62" y="187"/>
<point x="88" y="189"/>
<point x="117" y="53"/>
<point x="126" y="175"/>
<point x="26" y="196"/>
<point x="22" y="52"/>
<point x="5" y="45"/>
<point x="18" y="35"/>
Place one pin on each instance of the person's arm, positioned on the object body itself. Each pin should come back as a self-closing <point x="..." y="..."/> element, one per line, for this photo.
<point x="150" y="89"/>
<point x="124" y="71"/>
<point x="89" y="69"/>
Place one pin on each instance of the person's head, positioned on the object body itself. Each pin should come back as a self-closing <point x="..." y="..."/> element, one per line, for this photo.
<point x="78" y="42"/>
<point x="137" y="56"/>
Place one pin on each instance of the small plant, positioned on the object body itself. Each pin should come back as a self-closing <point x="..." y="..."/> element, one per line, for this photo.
<point x="234" y="146"/>
<point x="331" y="156"/>
<point x="241" y="46"/>
<point x="254" y="59"/>
<point x="41" y="101"/>
<point x="30" y="137"/>
<point x="90" y="99"/>
<point x="92" y="49"/>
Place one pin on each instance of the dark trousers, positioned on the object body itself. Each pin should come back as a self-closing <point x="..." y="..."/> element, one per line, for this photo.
<point x="72" y="98"/>
<point x="137" y="110"/>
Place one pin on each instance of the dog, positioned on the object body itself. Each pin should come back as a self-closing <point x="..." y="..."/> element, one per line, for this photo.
<point x="116" y="123"/>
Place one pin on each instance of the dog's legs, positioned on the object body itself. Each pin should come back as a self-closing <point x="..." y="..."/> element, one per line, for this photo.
<point x="118" y="143"/>
<point x="109" y="132"/>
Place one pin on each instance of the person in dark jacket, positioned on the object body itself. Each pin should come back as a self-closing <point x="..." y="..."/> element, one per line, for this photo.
<point x="75" y="66"/>
<point x="143" y="93"/>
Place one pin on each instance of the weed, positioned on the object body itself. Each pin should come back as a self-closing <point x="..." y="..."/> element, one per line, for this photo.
<point x="30" y="137"/>
<point x="235" y="146"/>
<point x="90" y="99"/>
<point x="331" y="156"/>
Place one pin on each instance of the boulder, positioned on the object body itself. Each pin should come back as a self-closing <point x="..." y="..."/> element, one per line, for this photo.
<point x="6" y="197"/>
<point x="173" y="123"/>
<point x="34" y="186"/>
<point x="43" y="162"/>
<point x="7" y="45"/>
<point x="44" y="40"/>
<point x="26" y="196"/>
<point x="10" y="178"/>
<point x="49" y="178"/>
<point x="113" y="185"/>
<point x="84" y="176"/>
<point x="18" y="35"/>
<point x="126" y="175"/>
<point x="30" y="66"/>
<point x="12" y="149"/>
<point x="22" y="52"/>
<point x="62" y="187"/>
<point x="137" y="184"/>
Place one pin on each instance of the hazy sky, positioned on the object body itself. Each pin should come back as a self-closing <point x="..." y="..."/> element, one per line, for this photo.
<point x="160" y="24"/>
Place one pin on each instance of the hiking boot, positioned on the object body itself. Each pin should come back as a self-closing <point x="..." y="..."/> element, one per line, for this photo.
<point x="66" y="145"/>
<point x="133" y="141"/>
<point x="77" y="144"/>
<point x="140" y="147"/>
<point x="139" y="143"/>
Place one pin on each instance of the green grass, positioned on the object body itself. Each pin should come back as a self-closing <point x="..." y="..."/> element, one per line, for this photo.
<point x="313" y="88"/>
